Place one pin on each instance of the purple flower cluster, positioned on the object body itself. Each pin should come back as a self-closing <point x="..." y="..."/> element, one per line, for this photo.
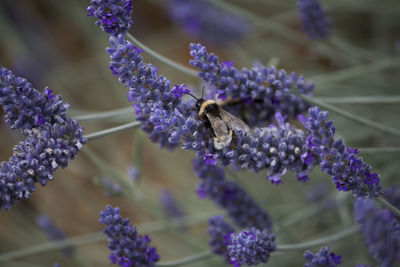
<point x="127" y="247"/>
<point x="314" y="20"/>
<point x="53" y="232"/>
<point x="324" y="258"/>
<point x="240" y="206"/>
<point x="113" y="16"/>
<point x="157" y="107"/>
<point x="207" y="21"/>
<point x="52" y="138"/>
<point x="37" y="157"/>
<point x="219" y="232"/>
<point x="26" y="107"/>
<point x="348" y="171"/>
<point x="110" y="188"/>
<point x="380" y="231"/>
<point x="251" y="246"/>
<point x="257" y="93"/>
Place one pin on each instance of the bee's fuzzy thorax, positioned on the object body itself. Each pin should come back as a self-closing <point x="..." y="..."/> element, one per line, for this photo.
<point x="204" y="105"/>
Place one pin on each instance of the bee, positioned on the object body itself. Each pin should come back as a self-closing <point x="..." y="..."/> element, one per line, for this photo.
<point x="221" y="122"/>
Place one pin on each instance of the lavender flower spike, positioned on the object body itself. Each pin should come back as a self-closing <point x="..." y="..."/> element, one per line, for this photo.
<point x="219" y="232"/>
<point x="348" y="171"/>
<point x="244" y="211"/>
<point x="324" y="258"/>
<point x="26" y="107"/>
<point x="36" y="159"/>
<point x="251" y="247"/>
<point x="203" y="19"/>
<point x="128" y="249"/>
<point x="53" y="232"/>
<point x="313" y="19"/>
<point x="380" y="230"/>
<point x="113" y="16"/>
<point x="170" y="206"/>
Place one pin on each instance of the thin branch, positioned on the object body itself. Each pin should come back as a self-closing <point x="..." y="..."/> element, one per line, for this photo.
<point x="355" y="71"/>
<point x="185" y="260"/>
<point x="377" y="126"/>
<point x="121" y="128"/>
<point x="164" y="59"/>
<point x="104" y="114"/>
<point x="388" y="205"/>
<point x="373" y="150"/>
<point x="394" y="99"/>
<point x="320" y="241"/>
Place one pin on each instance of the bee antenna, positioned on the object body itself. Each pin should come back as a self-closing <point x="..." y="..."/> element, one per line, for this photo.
<point x="193" y="96"/>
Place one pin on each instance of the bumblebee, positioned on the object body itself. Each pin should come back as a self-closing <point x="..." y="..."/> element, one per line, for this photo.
<point x="221" y="122"/>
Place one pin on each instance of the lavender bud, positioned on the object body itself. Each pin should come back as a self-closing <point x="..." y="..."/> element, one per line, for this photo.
<point x="128" y="249"/>
<point x="251" y="246"/>
<point x="113" y="16"/>
<point x="314" y="20"/>
<point x="324" y="258"/>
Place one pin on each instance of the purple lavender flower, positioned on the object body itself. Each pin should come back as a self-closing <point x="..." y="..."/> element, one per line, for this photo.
<point x="113" y="16"/>
<point x="244" y="211"/>
<point x="157" y="107"/>
<point x="251" y="246"/>
<point x="348" y="171"/>
<point x="53" y="232"/>
<point x="170" y="206"/>
<point x="37" y="157"/>
<point x="380" y="232"/>
<point x="26" y="107"/>
<point x="204" y="20"/>
<point x="219" y="232"/>
<point x="180" y="90"/>
<point x="324" y="258"/>
<point x="257" y="93"/>
<point x="127" y="247"/>
<point x="314" y="20"/>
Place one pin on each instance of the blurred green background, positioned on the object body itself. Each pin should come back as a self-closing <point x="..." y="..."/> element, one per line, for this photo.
<point x="53" y="43"/>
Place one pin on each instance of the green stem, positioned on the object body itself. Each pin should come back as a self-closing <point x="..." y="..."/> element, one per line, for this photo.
<point x="377" y="126"/>
<point x="361" y="99"/>
<point x="185" y="260"/>
<point x="373" y="150"/>
<point x="146" y="228"/>
<point x="121" y="128"/>
<point x="104" y="115"/>
<point x="162" y="58"/>
<point x="355" y="71"/>
<point x="320" y="241"/>
<point x="385" y="203"/>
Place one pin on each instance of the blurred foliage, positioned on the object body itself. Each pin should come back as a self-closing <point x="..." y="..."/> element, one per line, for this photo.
<point x="53" y="43"/>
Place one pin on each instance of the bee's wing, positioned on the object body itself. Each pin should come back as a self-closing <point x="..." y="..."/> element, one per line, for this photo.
<point x="218" y="125"/>
<point x="234" y="122"/>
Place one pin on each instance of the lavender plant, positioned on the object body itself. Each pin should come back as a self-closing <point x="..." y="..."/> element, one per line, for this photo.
<point x="286" y="133"/>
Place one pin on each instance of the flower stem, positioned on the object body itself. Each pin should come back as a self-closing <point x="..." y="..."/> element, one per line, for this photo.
<point x="373" y="150"/>
<point x="377" y="126"/>
<point x="355" y="71"/>
<point x="162" y="58"/>
<point x="121" y="128"/>
<point x="104" y="114"/>
<point x="185" y="260"/>
<point x="320" y="241"/>
<point x="361" y="99"/>
<point x="388" y="205"/>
